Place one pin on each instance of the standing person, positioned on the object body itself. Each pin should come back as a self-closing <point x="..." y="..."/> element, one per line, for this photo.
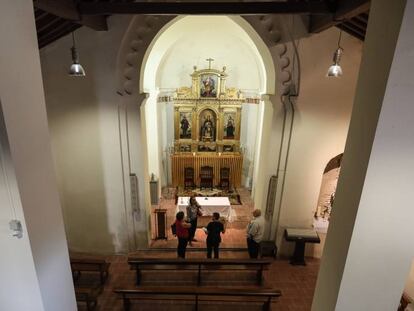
<point x="181" y="228"/>
<point x="214" y="228"/>
<point x="193" y="211"/>
<point x="255" y="231"/>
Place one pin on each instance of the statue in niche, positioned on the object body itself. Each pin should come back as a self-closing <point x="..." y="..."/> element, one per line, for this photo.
<point x="208" y="127"/>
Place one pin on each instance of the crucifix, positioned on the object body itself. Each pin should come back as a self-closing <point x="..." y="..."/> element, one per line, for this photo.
<point x="209" y="62"/>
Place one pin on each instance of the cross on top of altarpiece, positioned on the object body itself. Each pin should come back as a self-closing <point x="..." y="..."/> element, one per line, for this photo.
<point x="209" y="62"/>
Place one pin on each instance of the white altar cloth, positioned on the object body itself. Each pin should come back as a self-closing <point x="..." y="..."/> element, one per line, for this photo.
<point x="209" y="205"/>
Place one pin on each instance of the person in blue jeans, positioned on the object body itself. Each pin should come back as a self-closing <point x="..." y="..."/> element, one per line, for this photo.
<point x="255" y="232"/>
<point x="214" y="230"/>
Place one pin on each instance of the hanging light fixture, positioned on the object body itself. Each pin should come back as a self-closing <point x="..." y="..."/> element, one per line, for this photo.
<point x="76" y="69"/>
<point x="335" y="70"/>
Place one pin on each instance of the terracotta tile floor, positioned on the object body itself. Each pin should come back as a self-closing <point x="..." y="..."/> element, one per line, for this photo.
<point x="297" y="283"/>
<point x="235" y="235"/>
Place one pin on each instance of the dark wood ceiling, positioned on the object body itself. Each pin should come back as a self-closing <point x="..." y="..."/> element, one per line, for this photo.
<point x="57" y="18"/>
<point x="51" y="27"/>
<point x="356" y="26"/>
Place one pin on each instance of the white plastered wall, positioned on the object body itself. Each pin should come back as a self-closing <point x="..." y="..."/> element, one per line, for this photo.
<point x="83" y="120"/>
<point x="35" y="269"/>
<point x="322" y="115"/>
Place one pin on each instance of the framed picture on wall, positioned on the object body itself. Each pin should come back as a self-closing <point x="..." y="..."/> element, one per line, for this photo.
<point x="208" y="85"/>
<point x="185" y="124"/>
<point x="229" y="125"/>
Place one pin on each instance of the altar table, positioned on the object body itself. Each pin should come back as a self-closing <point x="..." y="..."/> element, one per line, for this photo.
<point x="209" y="205"/>
<point x="300" y="237"/>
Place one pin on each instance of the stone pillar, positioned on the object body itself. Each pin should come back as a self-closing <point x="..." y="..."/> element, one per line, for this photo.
<point x="133" y="151"/>
<point x="370" y="245"/>
<point x="24" y="111"/>
<point x="261" y="174"/>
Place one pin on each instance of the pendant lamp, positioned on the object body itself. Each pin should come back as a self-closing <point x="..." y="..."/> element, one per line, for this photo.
<point x="335" y="70"/>
<point x="76" y="69"/>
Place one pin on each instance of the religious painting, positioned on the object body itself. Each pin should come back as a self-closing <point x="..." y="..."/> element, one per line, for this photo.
<point x="228" y="148"/>
<point x="229" y="125"/>
<point x="208" y="85"/>
<point x="185" y="148"/>
<point x="206" y="148"/>
<point x="185" y="125"/>
<point x="208" y="125"/>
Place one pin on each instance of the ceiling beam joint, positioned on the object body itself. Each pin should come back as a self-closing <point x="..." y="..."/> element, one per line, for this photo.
<point x="204" y="8"/>
<point x="68" y="10"/>
<point x="345" y="9"/>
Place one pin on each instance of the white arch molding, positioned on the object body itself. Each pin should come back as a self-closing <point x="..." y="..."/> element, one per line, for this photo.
<point x="134" y="81"/>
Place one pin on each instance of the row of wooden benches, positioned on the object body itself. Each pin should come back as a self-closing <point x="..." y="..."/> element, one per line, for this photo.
<point x="89" y="294"/>
<point x="195" y="294"/>
<point x="201" y="294"/>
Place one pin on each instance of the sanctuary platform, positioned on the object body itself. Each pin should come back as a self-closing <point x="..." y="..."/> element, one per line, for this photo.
<point x="235" y="236"/>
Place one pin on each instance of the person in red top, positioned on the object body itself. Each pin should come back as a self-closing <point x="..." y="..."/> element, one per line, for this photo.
<point x="182" y="234"/>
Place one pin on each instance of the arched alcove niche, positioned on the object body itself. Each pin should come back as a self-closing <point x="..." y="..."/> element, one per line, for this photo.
<point x="144" y="58"/>
<point x="186" y="42"/>
<point x="193" y="39"/>
<point x="326" y="199"/>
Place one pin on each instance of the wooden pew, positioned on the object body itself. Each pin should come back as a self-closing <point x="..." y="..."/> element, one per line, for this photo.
<point x="199" y="265"/>
<point x="199" y="294"/>
<point x="83" y="264"/>
<point x="89" y="295"/>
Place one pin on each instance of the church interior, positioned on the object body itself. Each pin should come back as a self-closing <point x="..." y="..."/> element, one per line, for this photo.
<point x="294" y="118"/>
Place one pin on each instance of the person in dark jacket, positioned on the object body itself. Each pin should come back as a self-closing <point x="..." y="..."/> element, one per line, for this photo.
<point x="182" y="234"/>
<point x="214" y="230"/>
<point x="193" y="211"/>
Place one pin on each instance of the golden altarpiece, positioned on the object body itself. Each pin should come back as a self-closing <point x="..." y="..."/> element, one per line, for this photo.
<point x="207" y="119"/>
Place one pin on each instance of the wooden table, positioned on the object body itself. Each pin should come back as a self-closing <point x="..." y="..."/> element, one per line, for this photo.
<point x="300" y="237"/>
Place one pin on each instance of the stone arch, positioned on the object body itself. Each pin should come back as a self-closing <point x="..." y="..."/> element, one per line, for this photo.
<point x="141" y="33"/>
<point x="144" y="30"/>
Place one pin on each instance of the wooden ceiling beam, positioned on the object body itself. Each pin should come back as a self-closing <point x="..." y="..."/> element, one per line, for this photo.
<point x="361" y="19"/>
<point x="345" y="9"/>
<point x="49" y="39"/>
<point x="354" y="29"/>
<point x="62" y="8"/>
<point x="68" y="10"/>
<point x="204" y="8"/>
<point x="47" y="23"/>
<point x="357" y="24"/>
<point x="351" y="32"/>
<point x="56" y="29"/>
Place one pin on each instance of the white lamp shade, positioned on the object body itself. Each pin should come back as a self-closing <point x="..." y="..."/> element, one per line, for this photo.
<point x="76" y="70"/>
<point x="334" y="71"/>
